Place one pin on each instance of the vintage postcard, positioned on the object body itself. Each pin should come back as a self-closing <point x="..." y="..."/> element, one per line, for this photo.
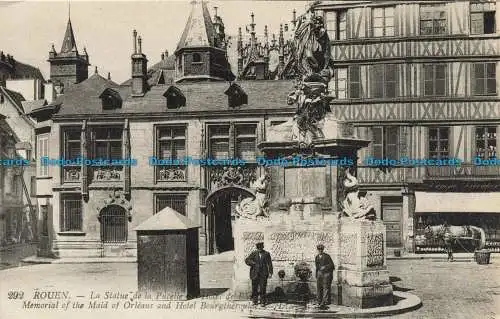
<point x="250" y="159"/>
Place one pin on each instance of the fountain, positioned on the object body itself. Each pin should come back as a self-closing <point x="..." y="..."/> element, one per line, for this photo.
<point x="314" y="199"/>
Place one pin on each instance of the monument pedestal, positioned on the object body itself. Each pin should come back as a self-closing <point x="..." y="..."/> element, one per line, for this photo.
<point x="288" y="244"/>
<point x="304" y="198"/>
<point x="363" y="276"/>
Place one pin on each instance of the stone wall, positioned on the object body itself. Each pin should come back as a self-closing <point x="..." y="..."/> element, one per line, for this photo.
<point x="357" y="248"/>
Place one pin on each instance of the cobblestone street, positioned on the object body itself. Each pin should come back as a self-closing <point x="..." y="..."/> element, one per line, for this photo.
<point x="449" y="290"/>
<point x="461" y="289"/>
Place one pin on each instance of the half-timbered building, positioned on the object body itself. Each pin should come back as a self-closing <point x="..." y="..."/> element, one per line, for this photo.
<point x="420" y="80"/>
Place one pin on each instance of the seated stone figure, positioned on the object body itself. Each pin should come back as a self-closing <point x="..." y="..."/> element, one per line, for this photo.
<point x="255" y="207"/>
<point x="354" y="205"/>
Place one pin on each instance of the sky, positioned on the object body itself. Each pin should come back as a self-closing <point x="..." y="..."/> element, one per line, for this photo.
<point x="29" y="28"/>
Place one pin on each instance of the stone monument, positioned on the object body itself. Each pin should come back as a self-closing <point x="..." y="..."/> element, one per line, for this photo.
<point x="314" y="198"/>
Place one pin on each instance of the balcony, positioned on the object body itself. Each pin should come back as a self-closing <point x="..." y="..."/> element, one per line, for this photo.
<point x="463" y="172"/>
<point x="369" y="175"/>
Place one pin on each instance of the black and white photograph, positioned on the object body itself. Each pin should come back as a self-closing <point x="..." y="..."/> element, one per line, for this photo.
<point x="250" y="159"/>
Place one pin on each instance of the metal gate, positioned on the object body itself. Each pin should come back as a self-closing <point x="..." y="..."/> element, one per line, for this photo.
<point x="114" y="225"/>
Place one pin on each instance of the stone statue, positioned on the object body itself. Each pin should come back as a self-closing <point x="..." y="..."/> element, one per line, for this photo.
<point x="355" y="206"/>
<point x="254" y="208"/>
<point x="314" y="65"/>
<point x="313" y="48"/>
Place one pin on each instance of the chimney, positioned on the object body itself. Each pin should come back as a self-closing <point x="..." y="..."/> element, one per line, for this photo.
<point x="139" y="68"/>
<point x="50" y="92"/>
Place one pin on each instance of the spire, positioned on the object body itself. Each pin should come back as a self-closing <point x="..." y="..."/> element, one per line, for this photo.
<point x="69" y="43"/>
<point x="199" y="29"/>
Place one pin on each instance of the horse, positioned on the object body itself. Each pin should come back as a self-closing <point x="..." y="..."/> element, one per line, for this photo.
<point x="457" y="233"/>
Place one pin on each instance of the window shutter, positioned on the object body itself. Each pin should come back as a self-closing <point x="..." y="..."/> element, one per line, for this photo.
<point x="84" y="151"/>
<point x="403" y="141"/>
<point x="391" y="142"/>
<point x="377" y="140"/>
<point x="116" y="150"/>
<point x="126" y="155"/>
<point x="33" y="186"/>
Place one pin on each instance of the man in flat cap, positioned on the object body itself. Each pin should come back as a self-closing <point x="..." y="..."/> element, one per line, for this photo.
<point x="261" y="268"/>
<point x="324" y="275"/>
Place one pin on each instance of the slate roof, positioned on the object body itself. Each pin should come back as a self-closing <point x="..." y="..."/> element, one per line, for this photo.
<point x="165" y="67"/>
<point x="16" y="97"/>
<point x="83" y="98"/>
<point x="23" y="71"/>
<point x="199" y="29"/>
<point x="29" y="106"/>
<point x="69" y="43"/>
<point x="166" y="64"/>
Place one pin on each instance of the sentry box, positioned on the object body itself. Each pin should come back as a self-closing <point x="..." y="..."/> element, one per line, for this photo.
<point x="168" y="257"/>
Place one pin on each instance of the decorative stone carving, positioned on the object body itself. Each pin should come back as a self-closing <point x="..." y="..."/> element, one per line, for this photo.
<point x="116" y="197"/>
<point x="314" y="66"/>
<point x="231" y="175"/>
<point x="250" y="239"/>
<point x="355" y="206"/>
<point x="107" y="174"/>
<point x="348" y="247"/>
<point x="375" y="250"/>
<point x="255" y="207"/>
<point x="72" y="174"/>
<point x="172" y="174"/>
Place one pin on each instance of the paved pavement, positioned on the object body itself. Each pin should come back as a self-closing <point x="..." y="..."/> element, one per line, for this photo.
<point x="460" y="289"/>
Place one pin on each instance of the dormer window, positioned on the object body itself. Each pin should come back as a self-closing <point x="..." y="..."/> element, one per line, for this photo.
<point x="175" y="98"/>
<point x="236" y="96"/>
<point x="111" y="99"/>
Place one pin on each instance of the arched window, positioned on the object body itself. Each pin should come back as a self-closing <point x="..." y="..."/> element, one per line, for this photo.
<point x="196" y="57"/>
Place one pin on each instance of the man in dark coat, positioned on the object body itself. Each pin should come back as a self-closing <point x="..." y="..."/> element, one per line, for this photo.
<point x="324" y="275"/>
<point x="261" y="268"/>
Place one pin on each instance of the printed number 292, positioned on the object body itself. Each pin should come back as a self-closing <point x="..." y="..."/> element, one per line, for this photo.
<point x="15" y="295"/>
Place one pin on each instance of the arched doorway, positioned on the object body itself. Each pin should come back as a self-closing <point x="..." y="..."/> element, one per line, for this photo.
<point x="114" y="224"/>
<point x="219" y="217"/>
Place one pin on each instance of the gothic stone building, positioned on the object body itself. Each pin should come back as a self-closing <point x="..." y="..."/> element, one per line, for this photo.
<point x="184" y="105"/>
<point x="420" y="80"/>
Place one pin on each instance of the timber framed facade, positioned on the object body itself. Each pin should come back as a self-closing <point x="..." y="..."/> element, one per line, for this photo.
<point x="420" y="79"/>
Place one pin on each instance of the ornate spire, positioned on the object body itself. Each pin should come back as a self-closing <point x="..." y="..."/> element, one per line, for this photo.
<point x="199" y="29"/>
<point x="69" y="43"/>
